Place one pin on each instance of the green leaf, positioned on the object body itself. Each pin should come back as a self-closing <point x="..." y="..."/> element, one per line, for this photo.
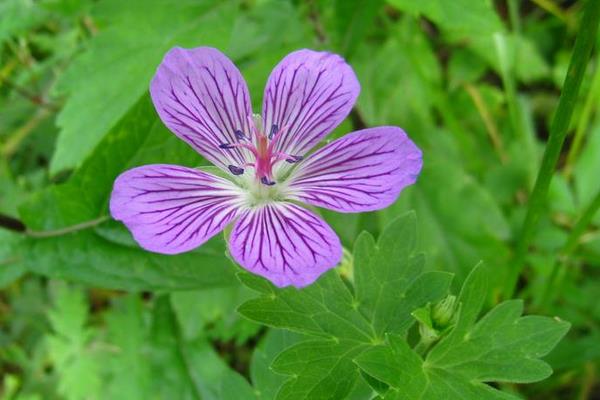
<point x="17" y="17"/>
<point x="353" y="18"/>
<point x="107" y="79"/>
<point x="210" y="313"/>
<point x="128" y="332"/>
<point x="266" y="382"/>
<point x="70" y="345"/>
<point x="405" y="99"/>
<point x="235" y="387"/>
<point x="524" y="57"/>
<point x="503" y="346"/>
<point x="86" y="257"/>
<point x="388" y="286"/>
<point x="106" y="258"/>
<point x="139" y="138"/>
<point x="148" y="357"/>
<point x="11" y="265"/>
<point x="461" y="222"/>
<point x="463" y="17"/>
<point x="322" y="369"/>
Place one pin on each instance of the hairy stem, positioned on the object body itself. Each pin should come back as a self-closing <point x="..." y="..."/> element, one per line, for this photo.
<point x="68" y="229"/>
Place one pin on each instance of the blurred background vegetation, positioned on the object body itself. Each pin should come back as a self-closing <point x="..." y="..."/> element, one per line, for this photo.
<point x="86" y="314"/>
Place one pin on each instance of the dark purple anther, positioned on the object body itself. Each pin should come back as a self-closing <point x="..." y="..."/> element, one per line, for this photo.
<point x="240" y="135"/>
<point x="226" y="146"/>
<point x="274" y="129"/>
<point x="265" y="181"/>
<point x="236" y="170"/>
<point x="294" y="159"/>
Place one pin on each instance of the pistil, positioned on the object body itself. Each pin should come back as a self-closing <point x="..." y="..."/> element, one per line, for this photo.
<point x="263" y="150"/>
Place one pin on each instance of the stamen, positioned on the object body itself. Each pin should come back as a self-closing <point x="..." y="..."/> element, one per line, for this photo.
<point x="294" y="159"/>
<point x="230" y="146"/>
<point x="240" y="135"/>
<point x="265" y="181"/>
<point x="279" y="133"/>
<point x="274" y="129"/>
<point x="235" y="170"/>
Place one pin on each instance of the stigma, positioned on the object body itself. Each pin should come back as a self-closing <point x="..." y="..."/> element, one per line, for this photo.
<point x="263" y="150"/>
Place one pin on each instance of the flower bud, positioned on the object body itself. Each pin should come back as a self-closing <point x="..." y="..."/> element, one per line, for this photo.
<point x="443" y="313"/>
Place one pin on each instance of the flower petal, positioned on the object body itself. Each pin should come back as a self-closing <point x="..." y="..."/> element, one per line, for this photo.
<point x="285" y="243"/>
<point x="364" y="171"/>
<point x="171" y="209"/>
<point x="202" y="97"/>
<point x="308" y="94"/>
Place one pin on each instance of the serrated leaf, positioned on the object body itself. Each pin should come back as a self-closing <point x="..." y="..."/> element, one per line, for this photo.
<point x="265" y="381"/>
<point x="139" y="138"/>
<point x="101" y="259"/>
<point x="389" y="285"/>
<point x="112" y="74"/>
<point x="148" y="357"/>
<point x="70" y="346"/>
<point x="322" y="369"/>
<point x="500" y="347"/>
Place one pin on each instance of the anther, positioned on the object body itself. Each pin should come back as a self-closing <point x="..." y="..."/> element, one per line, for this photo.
<point x="294" y="159"/>
<point x="265" y="181"/>
<point x="240" y="135"/>
<point x="235" y="170"/>
<point x="226" y="146"/>
<point x="274" y="129"/>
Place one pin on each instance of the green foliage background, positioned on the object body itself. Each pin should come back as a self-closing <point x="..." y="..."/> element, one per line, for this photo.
<point x="86" y="314"/>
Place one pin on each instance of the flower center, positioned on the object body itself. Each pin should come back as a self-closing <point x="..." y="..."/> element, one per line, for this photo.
<point x="262" y="148"/>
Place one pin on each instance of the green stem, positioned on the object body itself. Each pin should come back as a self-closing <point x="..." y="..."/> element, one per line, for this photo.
<point x="513" y="13"/>
<point x="558" y="131"/>
<point x="68" y="229"/>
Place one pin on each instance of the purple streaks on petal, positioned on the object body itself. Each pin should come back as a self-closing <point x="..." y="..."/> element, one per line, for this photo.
<point x="363" y="171"/>
<point x="171" y="209"/>
<point x="308" y="94"/>
<point x="286" y="244"/>
<point x="202" y="97"/>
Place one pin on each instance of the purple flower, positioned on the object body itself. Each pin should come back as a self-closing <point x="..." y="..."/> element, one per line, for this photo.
<point x="201" y="96"/>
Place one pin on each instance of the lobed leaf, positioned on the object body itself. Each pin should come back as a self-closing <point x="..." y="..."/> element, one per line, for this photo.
<point x="346" y="318"/>
<point x="501" y="347"/>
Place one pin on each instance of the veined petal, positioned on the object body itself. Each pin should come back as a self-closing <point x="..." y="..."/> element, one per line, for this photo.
<point x="171" y="209"/>
<point x="308" y="94"/>
<point x="202" y="97"/>
<point x="286" y="244"/>
<point x="363" y="171"/>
